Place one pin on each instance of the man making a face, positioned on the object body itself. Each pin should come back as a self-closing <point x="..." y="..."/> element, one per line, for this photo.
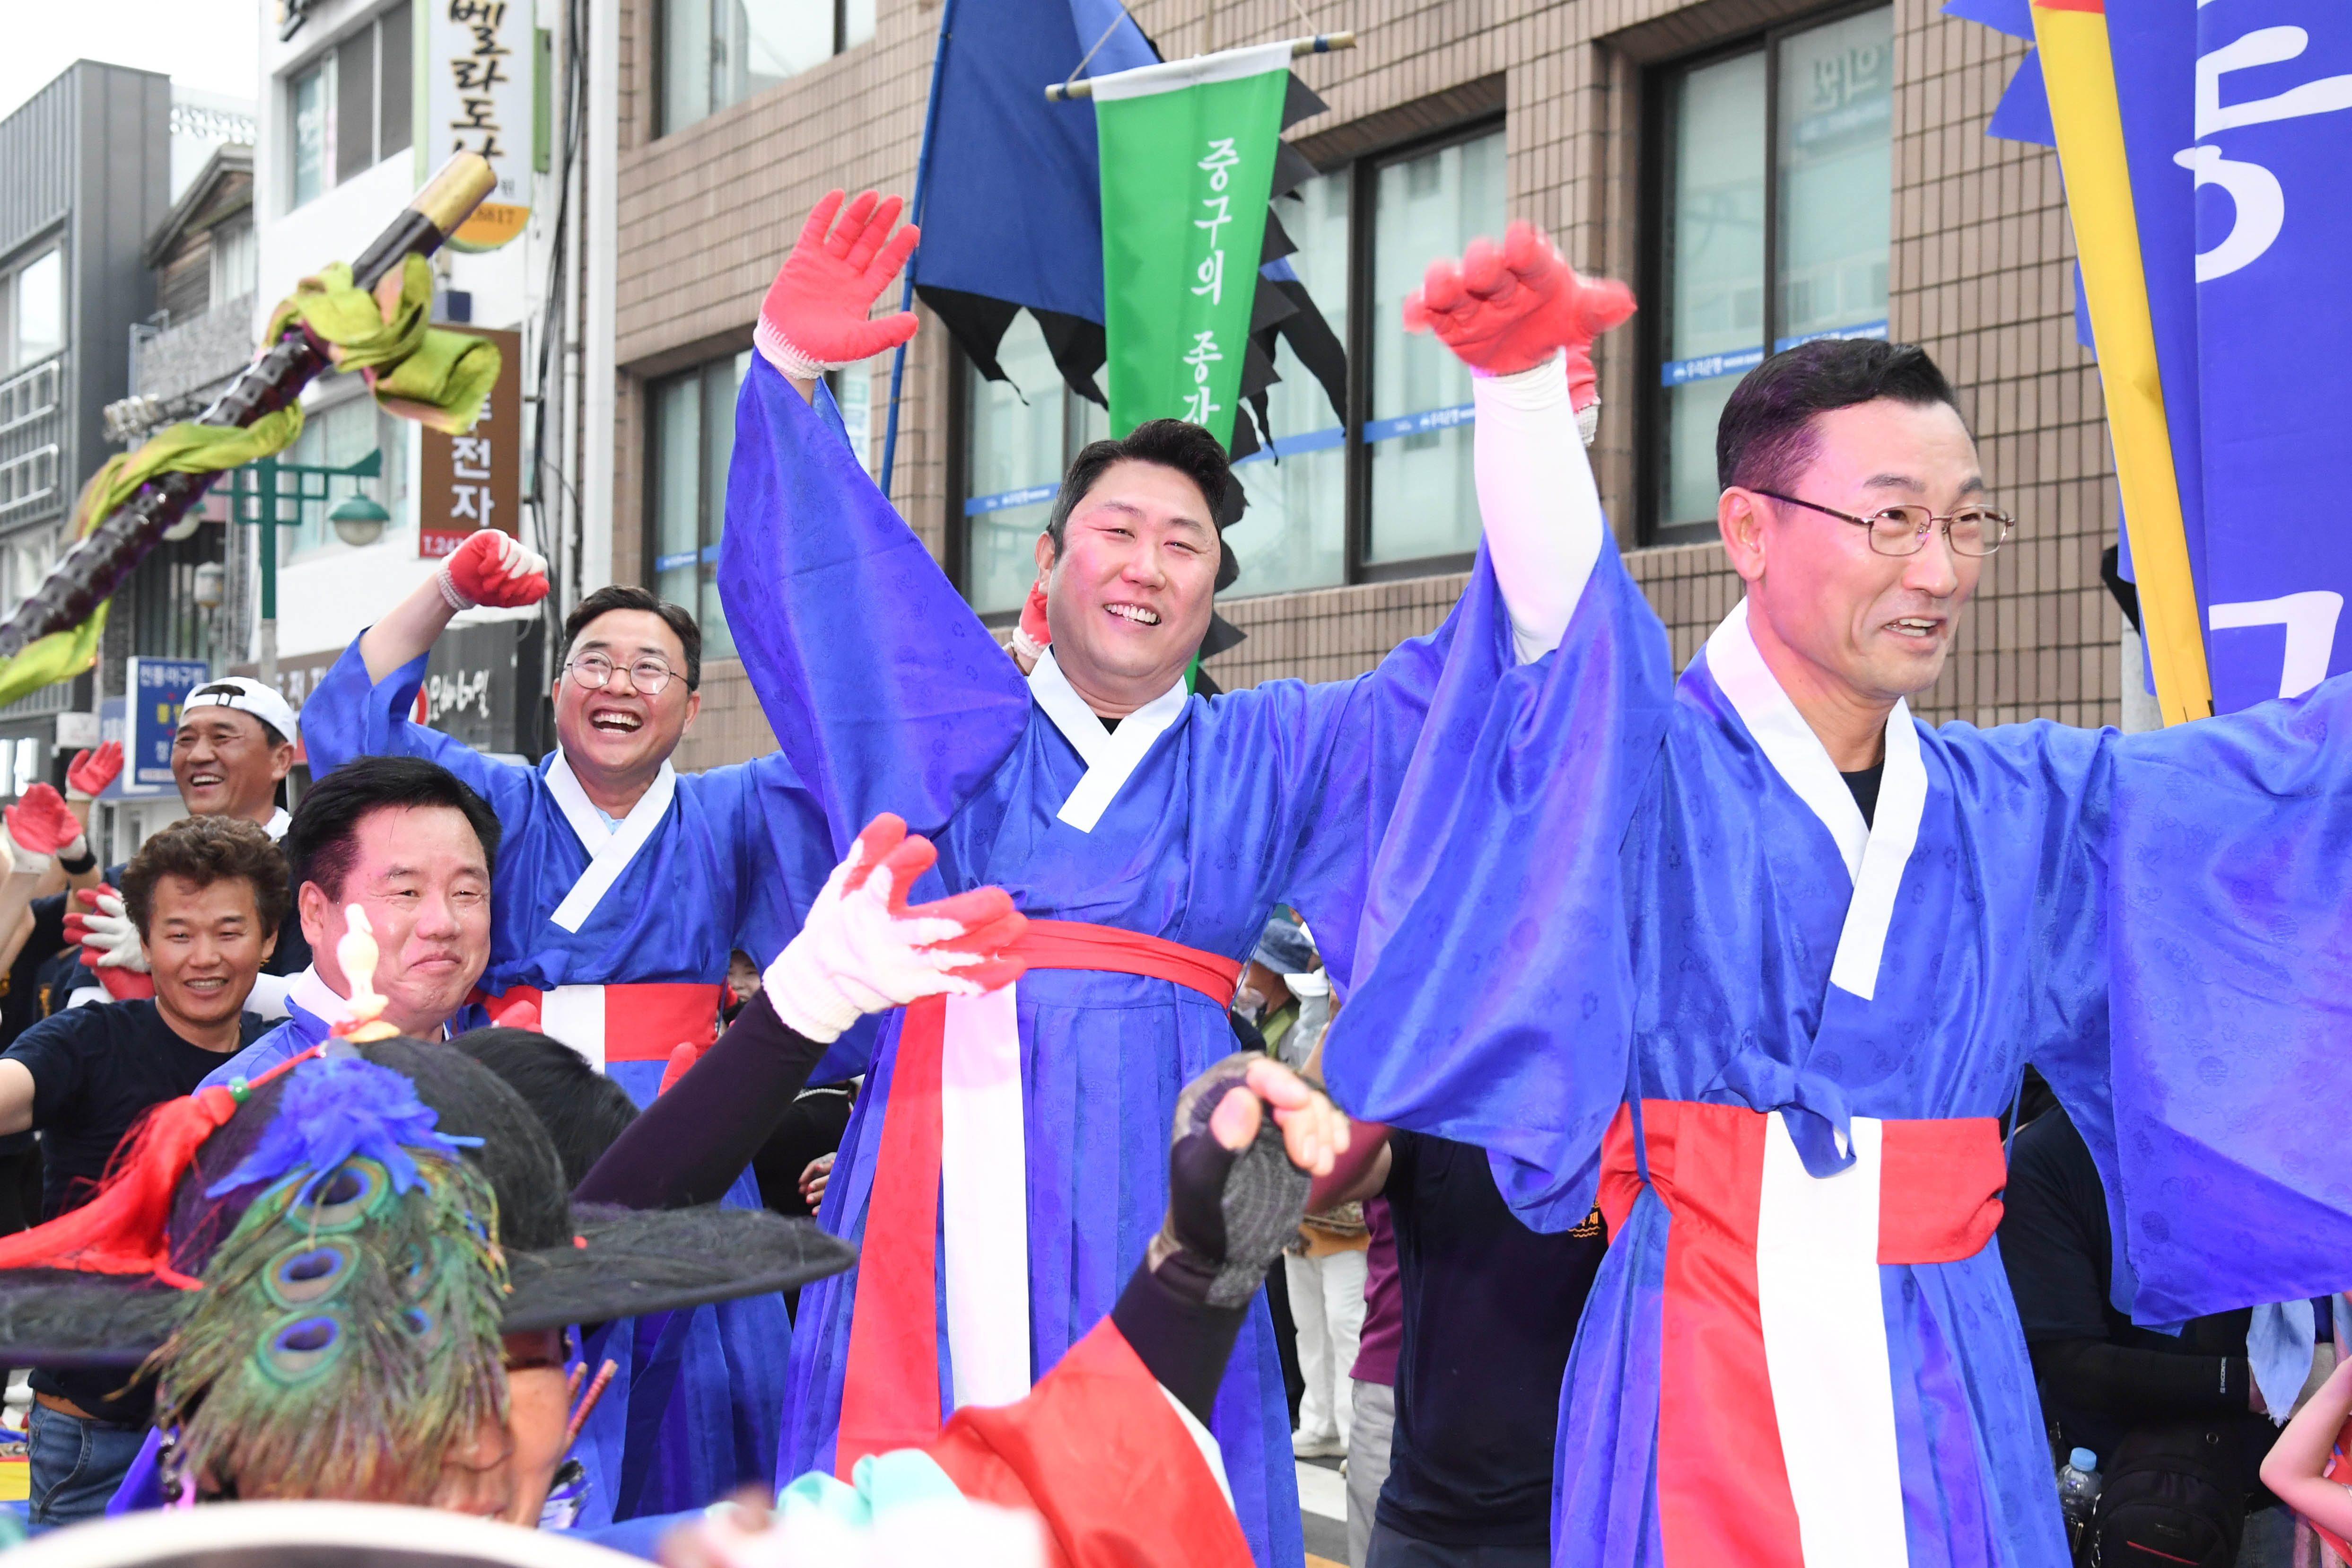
<point x="406" y="841"/>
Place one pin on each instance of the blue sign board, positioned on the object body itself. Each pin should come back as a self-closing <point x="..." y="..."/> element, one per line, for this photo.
<point x="156" y="689"/>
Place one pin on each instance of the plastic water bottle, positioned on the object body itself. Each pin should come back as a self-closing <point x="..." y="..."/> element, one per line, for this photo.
<point x="2078" y="1490"/>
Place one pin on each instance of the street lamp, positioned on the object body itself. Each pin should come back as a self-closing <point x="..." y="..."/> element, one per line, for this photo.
<point x="359" y="520"/>
<point x="208" y="589"/>
<point x="257" y="483"/>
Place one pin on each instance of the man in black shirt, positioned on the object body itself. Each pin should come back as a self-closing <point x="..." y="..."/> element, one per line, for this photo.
<point x="205" y="896"/>
<point x="1490" y="1311"/>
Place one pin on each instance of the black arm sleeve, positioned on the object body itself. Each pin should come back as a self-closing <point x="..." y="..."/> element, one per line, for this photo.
<point x="689" y="1144"/>
<point x="2130" y="1385"/>
<point x="1185" y="1343"/>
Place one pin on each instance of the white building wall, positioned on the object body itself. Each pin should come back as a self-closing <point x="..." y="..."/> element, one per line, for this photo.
<point x="328" y="593"/>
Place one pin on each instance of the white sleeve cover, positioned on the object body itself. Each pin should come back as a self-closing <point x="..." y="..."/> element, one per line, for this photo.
<point x="1536" y="494"/>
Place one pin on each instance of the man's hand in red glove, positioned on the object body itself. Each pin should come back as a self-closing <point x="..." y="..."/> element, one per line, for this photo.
<point x="492" y="568"/>
<point x="861" y="949"/>
<point x="814" y="318"/>
<point x="42" y="824"/>
<point x="110" y="948"/>
<point x="92" y="771"/>
<point x="1507" y="309"/>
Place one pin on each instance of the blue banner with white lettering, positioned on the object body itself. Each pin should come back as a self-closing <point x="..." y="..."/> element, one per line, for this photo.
<point x="2238" y="124"/>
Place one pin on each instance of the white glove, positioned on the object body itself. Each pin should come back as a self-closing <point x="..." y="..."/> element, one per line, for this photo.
<point x="492" y="568"/>
<point x="863" y="951"/>
<point x="107" y="930"/>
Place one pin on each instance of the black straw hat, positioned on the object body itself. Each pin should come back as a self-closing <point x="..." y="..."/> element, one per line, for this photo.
<point x="566" y="1264"/>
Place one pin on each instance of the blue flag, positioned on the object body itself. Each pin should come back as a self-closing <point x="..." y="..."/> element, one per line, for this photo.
<point x="2237" y="119"/>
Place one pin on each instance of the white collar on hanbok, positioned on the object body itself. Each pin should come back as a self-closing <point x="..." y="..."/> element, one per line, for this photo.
<point x="610" y="849"/>
<point x="1874" y="853"/>
<point x="1110" y="755"/>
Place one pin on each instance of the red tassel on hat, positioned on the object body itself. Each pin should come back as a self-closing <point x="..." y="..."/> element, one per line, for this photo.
<point x="122" y="1229"/>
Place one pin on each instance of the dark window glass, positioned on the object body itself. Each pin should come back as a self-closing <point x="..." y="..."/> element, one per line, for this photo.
<point x="395" y="49"/>
<point x="356" y="104"/>
<point x="693" y="434"/>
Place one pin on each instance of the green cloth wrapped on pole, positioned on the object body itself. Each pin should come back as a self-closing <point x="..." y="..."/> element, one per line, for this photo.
<point x="1188" y="152"/>
<point x="437" y="377"/>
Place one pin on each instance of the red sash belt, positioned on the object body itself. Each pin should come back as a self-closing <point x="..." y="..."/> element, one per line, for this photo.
<point x="1723" y="1484"/>
<point x="890" y="1391"/>
<point x="643" y="1022"/>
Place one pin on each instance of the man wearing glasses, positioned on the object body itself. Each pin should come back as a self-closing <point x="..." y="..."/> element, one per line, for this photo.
<point x="1761" y="958"/>
<point x="621" y="888"/>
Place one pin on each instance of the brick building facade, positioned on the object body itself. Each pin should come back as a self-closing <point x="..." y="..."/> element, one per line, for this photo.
<point x="1601" y="107"/>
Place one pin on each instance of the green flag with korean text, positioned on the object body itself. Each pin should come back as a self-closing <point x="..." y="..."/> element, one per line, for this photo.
<point x="1188" y="155"/>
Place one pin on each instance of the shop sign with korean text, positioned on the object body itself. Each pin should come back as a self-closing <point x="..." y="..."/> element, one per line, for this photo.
<point x="475" y="480"/>
<point x="477" y="78"/>
<point x="1188" y="152"/>
<point x="156" y="689"/>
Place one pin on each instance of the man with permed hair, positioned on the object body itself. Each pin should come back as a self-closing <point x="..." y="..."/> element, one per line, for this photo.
<point x="206" y="896"/>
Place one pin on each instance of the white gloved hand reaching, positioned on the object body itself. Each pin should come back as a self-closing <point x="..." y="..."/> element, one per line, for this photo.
<point x="863" y="951"/>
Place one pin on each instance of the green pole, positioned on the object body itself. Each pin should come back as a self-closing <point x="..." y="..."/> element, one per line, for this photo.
<point x="265" y="477"/>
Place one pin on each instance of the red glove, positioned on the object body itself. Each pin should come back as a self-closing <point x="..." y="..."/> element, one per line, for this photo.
<point x="39" y="825"/>
<point x="123" y="985"/>
<point x="492" y="568"/>
<point x="814" y="317"/>
<point x="681" y="1062"/>
<point x="1509" y="309"/>
<point x="92" y="771"/>
<point x="1031" y="637"/>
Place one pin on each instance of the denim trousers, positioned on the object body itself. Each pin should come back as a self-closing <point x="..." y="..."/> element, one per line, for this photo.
<point x="76" y="1465"/>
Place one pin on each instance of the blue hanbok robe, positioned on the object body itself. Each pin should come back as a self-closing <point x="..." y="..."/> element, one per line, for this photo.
<point x="888" y="694"/>
<point x="696" y="1406"/>
<point x="1634" y="890"/>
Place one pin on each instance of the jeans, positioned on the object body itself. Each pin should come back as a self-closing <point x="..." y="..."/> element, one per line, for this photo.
<point x="76" y="1465"/>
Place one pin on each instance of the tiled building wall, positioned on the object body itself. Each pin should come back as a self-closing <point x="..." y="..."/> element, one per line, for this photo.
<point x="1981" y="263"/>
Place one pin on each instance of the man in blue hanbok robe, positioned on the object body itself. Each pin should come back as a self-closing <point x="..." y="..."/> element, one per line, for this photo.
<point x="1758" y="960"/>
<point x="1009" y="1154"/>
<point x="620" y="890"/>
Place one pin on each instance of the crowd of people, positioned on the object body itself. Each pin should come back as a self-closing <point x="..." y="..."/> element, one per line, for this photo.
<point x="1769" y="1131"/>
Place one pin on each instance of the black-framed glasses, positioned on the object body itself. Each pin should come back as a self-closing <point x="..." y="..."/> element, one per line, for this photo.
<point x="1904" y="530"/>
<point x="594" y="671"/>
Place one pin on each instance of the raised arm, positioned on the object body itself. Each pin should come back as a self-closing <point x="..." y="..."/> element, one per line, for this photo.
<point x="1524" y="322"/>
<point x="882" y="687"/>
<point x="489" y="568"/>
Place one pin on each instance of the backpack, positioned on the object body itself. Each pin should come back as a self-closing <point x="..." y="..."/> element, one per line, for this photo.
<point x="2169" y="1495"/>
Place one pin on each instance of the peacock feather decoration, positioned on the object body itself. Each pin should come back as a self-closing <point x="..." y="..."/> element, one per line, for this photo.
<point x="347" y="1334"/>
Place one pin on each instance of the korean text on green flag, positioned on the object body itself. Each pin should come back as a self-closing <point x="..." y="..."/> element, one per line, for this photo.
<point x="1188" y="152"/>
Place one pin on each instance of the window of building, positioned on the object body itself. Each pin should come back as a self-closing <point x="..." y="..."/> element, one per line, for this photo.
<point x="715" y="53"/>
<point x="335" y="437"/>
<point x="236" y="261"/>
<point x="349" y="109"/>
<point x="1330" y="500"/>
<point x="1772" y="229"/>
<point x="36" y="309"/>
<point x="693" y="440"/>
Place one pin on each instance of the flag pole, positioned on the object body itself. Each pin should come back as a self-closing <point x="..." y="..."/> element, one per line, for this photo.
<point x="915" y="216"/>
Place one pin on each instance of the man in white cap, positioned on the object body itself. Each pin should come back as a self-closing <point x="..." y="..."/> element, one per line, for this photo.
<point x="230" y="756"/>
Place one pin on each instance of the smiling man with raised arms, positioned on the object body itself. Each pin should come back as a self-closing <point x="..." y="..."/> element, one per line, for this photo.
<point x="1147" y="830"/>
<point x="1761" y="957"/>
<point x="620" y="890"/>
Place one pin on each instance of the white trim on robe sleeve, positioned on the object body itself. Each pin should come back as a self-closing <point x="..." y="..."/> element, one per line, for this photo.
<point x="1536" y="494"/>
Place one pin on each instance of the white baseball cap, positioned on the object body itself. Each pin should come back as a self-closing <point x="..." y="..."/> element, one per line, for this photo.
<point x="246" y="695"/>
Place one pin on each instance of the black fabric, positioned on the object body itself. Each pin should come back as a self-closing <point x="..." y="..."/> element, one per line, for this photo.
<point x="2101" y="1375"/>
<point x="95" y="1069"/>
<point x="688" y="1146"/>
<point x="1184" y="1342"/>
<point x="1863" y="784"/>
<point x="810" y="1126"/>
<point x="2170" y="1494"/>
<point x="1490" y="1311"/>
